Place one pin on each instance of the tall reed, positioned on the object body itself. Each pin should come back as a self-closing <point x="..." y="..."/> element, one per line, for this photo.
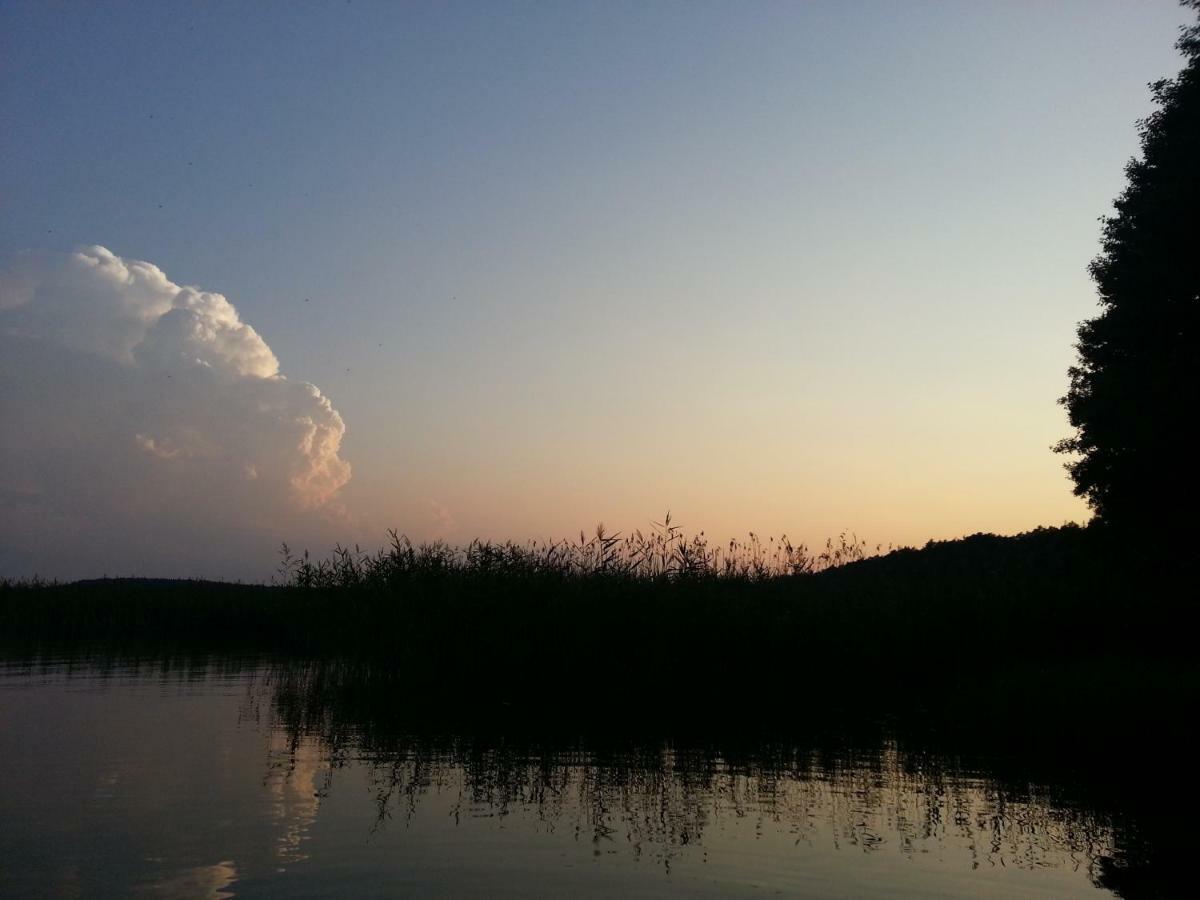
<point x="665" y="552"/>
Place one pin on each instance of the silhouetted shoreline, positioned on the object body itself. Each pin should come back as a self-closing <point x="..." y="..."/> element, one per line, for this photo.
<point x="1059" y="657"/>
<point x="502" y="613"/>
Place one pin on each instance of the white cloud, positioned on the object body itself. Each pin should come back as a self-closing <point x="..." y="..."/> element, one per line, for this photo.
<point x="146" y="427"/>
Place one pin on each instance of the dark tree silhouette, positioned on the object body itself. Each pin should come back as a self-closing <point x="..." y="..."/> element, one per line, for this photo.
<point x="1134" y="391"/>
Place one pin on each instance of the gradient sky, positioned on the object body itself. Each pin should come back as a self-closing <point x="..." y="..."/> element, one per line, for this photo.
<point x="796" y="267"/>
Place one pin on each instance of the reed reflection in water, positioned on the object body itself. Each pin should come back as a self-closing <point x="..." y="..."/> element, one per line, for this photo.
<point x="761" y="813"/>
<point x="660" y="804"/>
<point x="314" y="779"/>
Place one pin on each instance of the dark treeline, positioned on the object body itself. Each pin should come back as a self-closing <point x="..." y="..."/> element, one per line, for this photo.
<point x="533" y="620"/>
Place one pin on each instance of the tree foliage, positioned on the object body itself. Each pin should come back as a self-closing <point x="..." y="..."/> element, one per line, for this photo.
<point x="1134" y="390"/>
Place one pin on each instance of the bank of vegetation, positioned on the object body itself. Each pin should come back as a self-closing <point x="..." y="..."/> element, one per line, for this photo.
<point x="663" y="612"/>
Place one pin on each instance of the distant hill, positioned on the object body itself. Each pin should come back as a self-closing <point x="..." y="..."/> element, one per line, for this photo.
<point x="161" y="583"/>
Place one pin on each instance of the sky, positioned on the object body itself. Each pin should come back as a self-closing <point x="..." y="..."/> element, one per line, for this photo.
<point x="308" y="272"/>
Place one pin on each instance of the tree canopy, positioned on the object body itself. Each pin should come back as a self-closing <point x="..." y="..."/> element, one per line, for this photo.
<point x="1135" y="387"/>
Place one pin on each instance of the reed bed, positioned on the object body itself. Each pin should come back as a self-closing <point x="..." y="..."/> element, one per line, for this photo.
<point x="660" y="608"/>
<point x="665" y="552"/>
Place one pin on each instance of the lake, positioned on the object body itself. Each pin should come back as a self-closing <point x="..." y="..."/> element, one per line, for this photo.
<point x="223" y="778"/>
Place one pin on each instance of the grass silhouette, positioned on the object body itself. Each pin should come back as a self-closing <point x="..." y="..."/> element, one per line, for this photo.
<point x="617" y="613"/>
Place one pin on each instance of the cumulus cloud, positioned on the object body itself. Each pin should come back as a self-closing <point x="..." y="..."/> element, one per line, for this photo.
<point x="146" y="425"/>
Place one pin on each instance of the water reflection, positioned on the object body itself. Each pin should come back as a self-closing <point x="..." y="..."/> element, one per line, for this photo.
<point x="297" y="773"/>
<point x="662" y="800"/>
<point x="241" y="780"/>
<point x="201" y="883"/>
<point x="664" y="803"/>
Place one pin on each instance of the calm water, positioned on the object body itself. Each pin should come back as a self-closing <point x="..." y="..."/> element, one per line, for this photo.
<point x="223" y="781"/>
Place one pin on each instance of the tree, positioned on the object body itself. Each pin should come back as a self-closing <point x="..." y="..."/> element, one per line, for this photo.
<point x="1134" y="392"/>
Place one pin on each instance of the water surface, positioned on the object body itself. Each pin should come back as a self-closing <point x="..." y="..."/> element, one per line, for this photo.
<point x="224" y="779"/>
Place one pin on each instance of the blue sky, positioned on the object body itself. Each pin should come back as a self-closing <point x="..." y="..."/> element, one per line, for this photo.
<point x="799" y="266"/>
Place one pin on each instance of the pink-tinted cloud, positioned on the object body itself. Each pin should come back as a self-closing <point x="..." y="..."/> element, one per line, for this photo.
<point x="145" y="423"/>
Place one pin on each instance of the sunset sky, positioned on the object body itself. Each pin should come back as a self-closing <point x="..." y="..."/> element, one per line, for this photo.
<point x="802" y="267"/>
